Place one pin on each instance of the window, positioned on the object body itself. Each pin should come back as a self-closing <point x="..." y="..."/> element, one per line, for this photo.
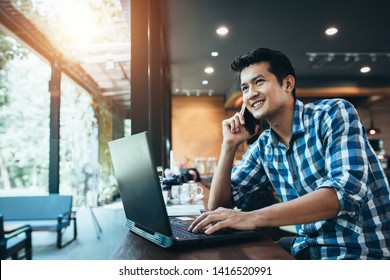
<point x="78" y="141"/>
<point x="25" y="128"/>
<point x="24" y="121"/>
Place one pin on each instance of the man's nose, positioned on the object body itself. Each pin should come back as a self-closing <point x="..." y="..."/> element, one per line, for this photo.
<point x="253" y="91"/>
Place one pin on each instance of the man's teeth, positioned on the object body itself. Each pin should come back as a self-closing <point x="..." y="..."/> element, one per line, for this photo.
<point x="257" y="103"/>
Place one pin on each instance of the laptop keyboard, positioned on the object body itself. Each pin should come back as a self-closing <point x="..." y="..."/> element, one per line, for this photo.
<point x="180" y="229"/>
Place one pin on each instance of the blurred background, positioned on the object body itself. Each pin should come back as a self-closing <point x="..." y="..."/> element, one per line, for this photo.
<point x="77" y="74"/>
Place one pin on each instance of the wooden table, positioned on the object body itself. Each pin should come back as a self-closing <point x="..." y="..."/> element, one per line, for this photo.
<point x="134" y="247"/>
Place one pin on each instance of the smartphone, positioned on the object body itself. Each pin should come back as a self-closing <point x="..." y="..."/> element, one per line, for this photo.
<point x="250" y="122"/>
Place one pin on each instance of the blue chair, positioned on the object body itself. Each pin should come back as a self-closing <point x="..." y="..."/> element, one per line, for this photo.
<point x="43" y="213"/>
<point x="14" y="242"/>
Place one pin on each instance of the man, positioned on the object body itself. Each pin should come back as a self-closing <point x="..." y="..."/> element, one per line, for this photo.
<point x="318" y="159"/>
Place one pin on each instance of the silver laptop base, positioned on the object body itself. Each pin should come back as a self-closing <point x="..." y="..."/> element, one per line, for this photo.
<point x="157" y="238"/>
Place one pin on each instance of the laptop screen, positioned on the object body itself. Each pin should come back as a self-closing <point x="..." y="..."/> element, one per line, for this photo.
<point x="138" y="183"/>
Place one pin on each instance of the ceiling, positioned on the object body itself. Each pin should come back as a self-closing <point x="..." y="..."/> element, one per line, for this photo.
<point x="90" y="39"/>
<point x="326" y="66"/>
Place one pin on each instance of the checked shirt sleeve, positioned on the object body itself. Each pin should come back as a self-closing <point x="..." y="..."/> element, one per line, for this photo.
<point x="345" y="156"/>
<point x="247" y="178"/>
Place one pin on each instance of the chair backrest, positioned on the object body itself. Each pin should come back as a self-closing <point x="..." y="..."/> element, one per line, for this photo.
<point x="35" y="207"/>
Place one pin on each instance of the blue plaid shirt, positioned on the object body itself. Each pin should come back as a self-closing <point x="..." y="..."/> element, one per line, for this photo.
<point x="328" y="149"/>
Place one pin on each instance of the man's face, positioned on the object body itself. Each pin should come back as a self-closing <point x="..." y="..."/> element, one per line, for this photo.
<point x="262" y="94"/>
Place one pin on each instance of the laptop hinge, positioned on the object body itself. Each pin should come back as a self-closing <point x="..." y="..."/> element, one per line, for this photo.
<point x="155" y="237"/>
<point x="144" y="229"/>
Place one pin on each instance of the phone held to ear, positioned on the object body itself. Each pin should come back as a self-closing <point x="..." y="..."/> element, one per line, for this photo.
<point x="250" y="122"/>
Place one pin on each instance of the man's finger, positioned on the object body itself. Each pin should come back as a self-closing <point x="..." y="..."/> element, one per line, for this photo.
<point x="242" y="109"/>
<point x="197" y="221"/>
<point x="216" y="227"/>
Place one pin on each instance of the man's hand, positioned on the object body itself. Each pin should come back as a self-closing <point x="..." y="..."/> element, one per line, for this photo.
<point x="222" y="218"/>
<point x="233" y="129"/>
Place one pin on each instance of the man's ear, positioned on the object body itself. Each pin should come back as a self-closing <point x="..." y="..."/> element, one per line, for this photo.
<point x="290" y="83"/>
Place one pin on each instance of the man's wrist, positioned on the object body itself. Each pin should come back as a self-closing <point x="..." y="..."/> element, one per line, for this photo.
<point x="229" y="146"/>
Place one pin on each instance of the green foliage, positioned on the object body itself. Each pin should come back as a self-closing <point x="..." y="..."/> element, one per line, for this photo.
<point x="24" y="129"/>
<point x="9" y="50"/>
<point x="24" y="143"/>
<point x="25" y="105"/>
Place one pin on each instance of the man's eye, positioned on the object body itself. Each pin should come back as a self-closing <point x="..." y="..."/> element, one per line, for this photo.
<point x="243" y="89"/>
<point x="259" y="81"/>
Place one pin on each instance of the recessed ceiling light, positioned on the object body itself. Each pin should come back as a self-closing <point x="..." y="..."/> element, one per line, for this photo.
<point x="205" y="82"/>
<point x="331" y="31"/>
<point x="222" y="30"/>
<point x="214" y="54"/>
<point x="209" y="70"/>
<point x="365" y="69"/>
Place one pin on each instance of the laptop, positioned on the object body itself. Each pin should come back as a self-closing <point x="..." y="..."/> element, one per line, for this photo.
<point x="142" y="198"/>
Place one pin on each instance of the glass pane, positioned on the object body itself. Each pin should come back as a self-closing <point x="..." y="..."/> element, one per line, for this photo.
<point x="78" y="142"/>
<point x="24" y="120"/>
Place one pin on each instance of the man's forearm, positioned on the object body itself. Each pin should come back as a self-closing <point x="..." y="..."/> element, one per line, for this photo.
<point x="220" y="190"/>
<point x="319" y="205"/>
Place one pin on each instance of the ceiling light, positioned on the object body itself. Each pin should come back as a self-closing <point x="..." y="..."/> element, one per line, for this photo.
<point x="209" y="70"/>
<point x="312" y="56"/>
<point x="214" y="54"/>
<point x="319" y="59"/>
<point x="330" y="57"/>
<point x="365" y="69"/>
<point x="331" y="31"/>
<point x="373" y="57"/>
<point x="222" y="31"/>
<point x="205" y="82"/>
<point x="372" y="130"/>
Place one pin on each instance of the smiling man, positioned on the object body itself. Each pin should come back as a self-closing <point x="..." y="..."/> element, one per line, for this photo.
<point x="318" y="159"/>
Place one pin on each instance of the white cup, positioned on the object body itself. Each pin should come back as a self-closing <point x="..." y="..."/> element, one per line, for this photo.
<point x="181" y="193"/>
<point x="195" y="190"/>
